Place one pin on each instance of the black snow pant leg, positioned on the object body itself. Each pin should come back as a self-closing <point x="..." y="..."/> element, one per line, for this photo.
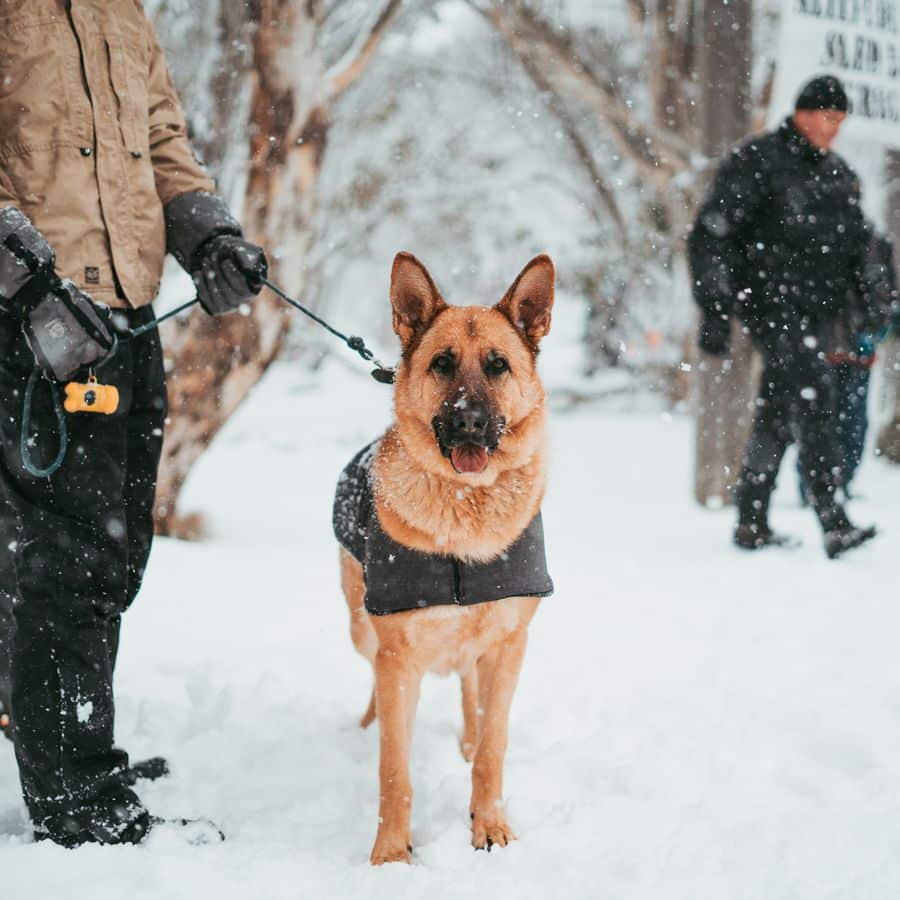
<point x="83" y="538"/>
<point x="796" y="402"/>
<point x="852" y="393"/>
<point x="7" y="598"/>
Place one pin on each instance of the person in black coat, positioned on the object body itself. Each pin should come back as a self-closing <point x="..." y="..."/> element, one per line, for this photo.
<point x="780" y="242"/>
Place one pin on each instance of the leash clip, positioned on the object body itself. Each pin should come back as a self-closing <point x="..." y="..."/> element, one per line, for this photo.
<point x="384" y="375"/>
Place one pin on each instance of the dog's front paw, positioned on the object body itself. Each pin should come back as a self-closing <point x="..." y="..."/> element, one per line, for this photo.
<point x="388" y="850"/>
<point x="491" y="831"/>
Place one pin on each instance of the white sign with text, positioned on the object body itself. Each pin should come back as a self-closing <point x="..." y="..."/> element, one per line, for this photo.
<point x="856" y="40"/>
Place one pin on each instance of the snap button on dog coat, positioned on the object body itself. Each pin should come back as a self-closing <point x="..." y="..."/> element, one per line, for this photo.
<point x="400" y="579"/>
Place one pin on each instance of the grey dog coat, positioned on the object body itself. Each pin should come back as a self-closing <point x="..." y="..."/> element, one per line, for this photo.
<point x="398" y="578"/>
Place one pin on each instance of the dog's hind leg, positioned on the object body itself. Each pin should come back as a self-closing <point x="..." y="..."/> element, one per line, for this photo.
<point x="503" y="663"/>
<point x="469" y="741"/>
<point x="369" y="716"/>
<point x="361" y="631"/>
<point x="353" y="582"/>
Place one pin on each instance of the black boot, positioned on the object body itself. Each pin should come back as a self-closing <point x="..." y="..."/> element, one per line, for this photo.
<point x="753" y="494"/>
<point x="840" y="540"/>
<point x="116" y="817"/>
<point x="841" y="534"/>
<point x="754" y="536"/>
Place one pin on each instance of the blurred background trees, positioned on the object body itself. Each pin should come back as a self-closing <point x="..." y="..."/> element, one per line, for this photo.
<point x="473" y="133"/>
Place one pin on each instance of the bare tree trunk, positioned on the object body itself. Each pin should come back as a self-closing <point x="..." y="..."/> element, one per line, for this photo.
<point x="724" y="387"/>
<point x="213" y="363"/>
<point x="674" y="66"/>
<point x="889" y="434"/>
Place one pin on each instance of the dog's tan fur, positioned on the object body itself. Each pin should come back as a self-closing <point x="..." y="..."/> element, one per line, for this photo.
<point x="424" y="503"/>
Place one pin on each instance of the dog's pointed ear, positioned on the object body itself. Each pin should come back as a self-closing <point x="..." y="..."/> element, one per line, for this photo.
<point x="529" y="302"/>
<point x="414" y="297"/>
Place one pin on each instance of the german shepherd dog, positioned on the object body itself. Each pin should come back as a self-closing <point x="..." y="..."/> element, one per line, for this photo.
<point x="459" y="474"/>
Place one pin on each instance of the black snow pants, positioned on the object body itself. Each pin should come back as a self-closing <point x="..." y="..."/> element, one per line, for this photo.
<point x="796" y="402"/>
<point x="7" y="595"/>
<point x="82" y="541"/>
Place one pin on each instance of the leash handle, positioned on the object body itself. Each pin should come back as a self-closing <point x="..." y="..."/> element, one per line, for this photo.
<point x="24" y="449"/>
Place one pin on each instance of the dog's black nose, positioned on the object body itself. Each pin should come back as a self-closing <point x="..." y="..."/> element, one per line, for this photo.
<point x="472" y="419"/>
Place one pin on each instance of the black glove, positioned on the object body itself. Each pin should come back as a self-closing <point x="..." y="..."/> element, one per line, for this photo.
<point x="67" y="330"/>
<point x="208" y="242"/>
<point x="26" y="259"/>
<point x="229" y="272"/>
<point x="715" y="333"/>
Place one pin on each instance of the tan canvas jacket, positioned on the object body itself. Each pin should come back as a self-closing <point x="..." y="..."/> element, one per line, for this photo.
<point x="92" y="139"/>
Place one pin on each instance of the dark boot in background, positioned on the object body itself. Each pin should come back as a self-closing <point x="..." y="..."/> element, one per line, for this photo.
<point x="841" y="534"/>
<point x="753" y="493"/>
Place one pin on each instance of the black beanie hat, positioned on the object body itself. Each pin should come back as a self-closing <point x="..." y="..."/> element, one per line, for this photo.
<point x="824" y="92"/>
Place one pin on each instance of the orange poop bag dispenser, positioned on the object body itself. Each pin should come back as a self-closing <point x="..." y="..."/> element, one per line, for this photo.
<point x="91" y="397"/>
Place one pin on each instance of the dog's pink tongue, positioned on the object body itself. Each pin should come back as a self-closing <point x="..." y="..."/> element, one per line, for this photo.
<point x="469" y="458"/>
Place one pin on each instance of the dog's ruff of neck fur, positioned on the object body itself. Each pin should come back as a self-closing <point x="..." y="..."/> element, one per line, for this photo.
<point x="439" y="514"/>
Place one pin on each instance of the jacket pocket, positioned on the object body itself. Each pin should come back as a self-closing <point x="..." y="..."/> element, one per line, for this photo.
<point x="33" y="108"/>
<point x="128" y="72"/>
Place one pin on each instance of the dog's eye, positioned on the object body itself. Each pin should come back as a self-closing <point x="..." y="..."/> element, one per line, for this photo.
<point x="496" y="365"/>
<point x="443" y="364"/>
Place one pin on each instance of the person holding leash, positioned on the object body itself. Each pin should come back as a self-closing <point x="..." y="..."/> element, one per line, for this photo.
<point x="780" y="241"/>
<point x="97" y="182"/>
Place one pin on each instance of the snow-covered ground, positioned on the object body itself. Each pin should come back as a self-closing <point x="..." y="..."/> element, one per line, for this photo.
<point x="691" y="722"/>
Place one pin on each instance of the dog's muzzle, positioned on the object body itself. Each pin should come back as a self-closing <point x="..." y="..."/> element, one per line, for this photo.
<point x="467" y="434"/>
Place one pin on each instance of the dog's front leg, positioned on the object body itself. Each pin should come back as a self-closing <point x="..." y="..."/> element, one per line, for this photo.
<point x="471" y="711"/>
<point x="397" y="693"/>
<point x="500" y="669"/>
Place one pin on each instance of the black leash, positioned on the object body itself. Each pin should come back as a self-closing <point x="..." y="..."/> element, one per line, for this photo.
<point x="137" y="332"/>
<point x="129" y="334"/>
<point x="382" y="374"/>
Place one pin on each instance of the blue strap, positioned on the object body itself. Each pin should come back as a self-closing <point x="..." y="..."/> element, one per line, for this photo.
<point x="32" y="469"/>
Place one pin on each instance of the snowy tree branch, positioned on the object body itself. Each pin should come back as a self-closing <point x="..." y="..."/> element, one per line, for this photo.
<point x="348" y="70"/>
<point x="660" y="157"/>
<point x="580" y="147"/>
